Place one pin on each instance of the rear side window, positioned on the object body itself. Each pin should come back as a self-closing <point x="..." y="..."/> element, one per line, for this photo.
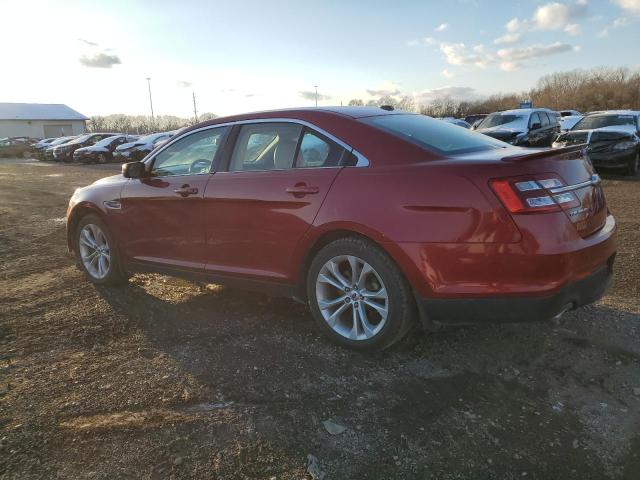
<point x="544" y="119"/>
<point x="432" y="134"/>
<point x="265" y="146"/>
<point x="317" y="151"/>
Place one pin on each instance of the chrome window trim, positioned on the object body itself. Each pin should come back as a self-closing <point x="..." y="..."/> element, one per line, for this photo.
<point x="362" y="161"/>
<point x="594" y="180"/>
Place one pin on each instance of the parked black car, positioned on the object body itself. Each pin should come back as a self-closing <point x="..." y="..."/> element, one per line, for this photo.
<point x="471" y="119"/>
<point x="613" y="139"/>
<point x="46" y="153"/>
<point x="525" y="127"/>
<point x="102" y="151"/>
<point x="137" y="150"/>
<point x="64" y="152"/>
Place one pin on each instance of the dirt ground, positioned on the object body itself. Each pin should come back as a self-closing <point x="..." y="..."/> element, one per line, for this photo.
<point x="169" y="379"/>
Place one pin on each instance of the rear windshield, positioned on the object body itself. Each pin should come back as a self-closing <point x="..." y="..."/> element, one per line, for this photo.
<point x="427" y="132"/>
<point x="599" y="121"/>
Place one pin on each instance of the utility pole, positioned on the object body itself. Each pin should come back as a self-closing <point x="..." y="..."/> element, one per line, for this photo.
<point x="195" y="110"/>
<point x="150" y="99"/>
<point x="316" y="87"/>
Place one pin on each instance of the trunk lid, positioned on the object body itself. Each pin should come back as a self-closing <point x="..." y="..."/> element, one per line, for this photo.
<point x="588" y="210"/>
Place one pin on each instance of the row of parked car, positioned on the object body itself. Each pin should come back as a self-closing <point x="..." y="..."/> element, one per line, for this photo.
<point x="613" y="136"/>
<point x="96" y="147"/>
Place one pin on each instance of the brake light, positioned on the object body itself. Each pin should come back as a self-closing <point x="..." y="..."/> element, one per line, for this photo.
<point x="520" y="195"/>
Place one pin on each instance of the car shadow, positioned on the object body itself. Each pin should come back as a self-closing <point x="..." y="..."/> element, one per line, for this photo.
<point x="267" y="358"/>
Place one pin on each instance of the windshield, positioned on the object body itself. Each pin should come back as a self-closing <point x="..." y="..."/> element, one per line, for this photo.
<point x="106" y="141"/>
<point x="496" y="119"/>
<point x="60" y="140"/>
<point x="433" y="134"/>
<point x="81" y="139"/>
<point x="599" y="121"/>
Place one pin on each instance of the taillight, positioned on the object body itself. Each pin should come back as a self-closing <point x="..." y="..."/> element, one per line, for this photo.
<point x="524" y="195"/>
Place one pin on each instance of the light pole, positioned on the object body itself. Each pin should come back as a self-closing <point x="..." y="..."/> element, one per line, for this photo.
<point x="316" y="87"/>
<point x="195" y="110"/>
<point x="150" y="100"/>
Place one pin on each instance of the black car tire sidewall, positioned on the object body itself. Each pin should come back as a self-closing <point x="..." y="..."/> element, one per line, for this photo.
<point x="401" y="306"/>
<point x="116" y="273"/>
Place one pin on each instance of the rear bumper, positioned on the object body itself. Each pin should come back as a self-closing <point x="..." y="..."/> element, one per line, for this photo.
<point x="520" y="309"/>
<point x="612" y="159"/>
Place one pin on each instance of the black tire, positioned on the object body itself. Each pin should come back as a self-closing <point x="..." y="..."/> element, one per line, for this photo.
<point x="401" y="304"/>
<point x="116" y="273"/>
<point x="634" y="165"/>
<point x="102" y="158"/>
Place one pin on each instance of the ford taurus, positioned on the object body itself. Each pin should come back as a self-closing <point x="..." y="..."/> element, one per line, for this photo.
<point x="378" y="219"/>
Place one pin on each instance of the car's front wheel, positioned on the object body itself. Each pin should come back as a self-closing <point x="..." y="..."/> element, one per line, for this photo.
<point x="358" y="296"/>
<point x="97" y="253"/>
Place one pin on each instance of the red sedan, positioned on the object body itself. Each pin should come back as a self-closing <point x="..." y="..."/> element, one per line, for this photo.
<point x="378" y="219"/>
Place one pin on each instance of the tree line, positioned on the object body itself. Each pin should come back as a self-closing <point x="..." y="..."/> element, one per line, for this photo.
<point x="583" y="90"/>
<point x="142" y="124"/>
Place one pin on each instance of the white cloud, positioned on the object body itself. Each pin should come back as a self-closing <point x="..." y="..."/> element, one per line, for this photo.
<point x="532" y="51"/>
<point x="515" y="24"/>
<point x="99" y="60"/>
<point x="509" y="66"/>
<point x="551" y="16"/>
<point x="621" y="22"/>
<point x="558" y="16"/>
<point x="604" y="33"/>
<point x="442" y="27"/>
<point x="573" y="29"/>
<point x="458" y="54"/>
<point x="507" y="38"/>
<point x="632" y="6"/>
<point x="307" y="95"/>
<point x="388" y="88"/>
<point x="447" y="74"/>
<point x="460" y="93"/>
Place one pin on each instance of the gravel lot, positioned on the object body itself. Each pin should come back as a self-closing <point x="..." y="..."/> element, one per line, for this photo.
<point x="169" y="379"/>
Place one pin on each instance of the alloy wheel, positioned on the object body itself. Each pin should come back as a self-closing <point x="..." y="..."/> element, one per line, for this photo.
<point x="352" y="297"/>
<point x="94" y="251"/>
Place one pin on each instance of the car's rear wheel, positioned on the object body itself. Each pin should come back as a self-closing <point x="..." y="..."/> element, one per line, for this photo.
<point x="358" y="296"/>
<point x="97" y="253"/>
<point x="102" y="158"/>
<point x="634" y="165"/>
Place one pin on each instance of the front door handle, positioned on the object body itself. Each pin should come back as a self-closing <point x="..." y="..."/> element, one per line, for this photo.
<point x="302" y="190"/>
<point x="186" y="190"/>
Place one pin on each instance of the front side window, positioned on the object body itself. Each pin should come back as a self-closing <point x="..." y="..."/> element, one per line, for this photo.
<point x="265" y="146"/>
<point x="535" y="118"/>
<point x="544" y="119"/>
<point x="316" y="151"/>
<point x="432" y="134"/>
<point x="191" y="155"/>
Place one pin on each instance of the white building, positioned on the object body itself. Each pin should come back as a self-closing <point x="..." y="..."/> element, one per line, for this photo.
<point x="39" y="120"/>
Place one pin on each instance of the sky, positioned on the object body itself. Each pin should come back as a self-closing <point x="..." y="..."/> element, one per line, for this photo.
<point x="248" y="55"/>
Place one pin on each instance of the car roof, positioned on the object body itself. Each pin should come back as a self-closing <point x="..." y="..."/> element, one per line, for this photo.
<point x="615" y="112"/>
<point x="516" y="111"/>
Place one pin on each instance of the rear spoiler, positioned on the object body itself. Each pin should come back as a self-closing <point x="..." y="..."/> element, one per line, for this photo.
<point x="552" y="152"/>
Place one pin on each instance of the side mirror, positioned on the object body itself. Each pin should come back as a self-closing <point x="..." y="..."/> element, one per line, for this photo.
<point x="134" y="170"/>
<point x="536" y="126"/>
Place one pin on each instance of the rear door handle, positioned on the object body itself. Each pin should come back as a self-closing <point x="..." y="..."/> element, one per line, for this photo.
<point x="186" y="190"/>
<point x="302" y="190"/>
